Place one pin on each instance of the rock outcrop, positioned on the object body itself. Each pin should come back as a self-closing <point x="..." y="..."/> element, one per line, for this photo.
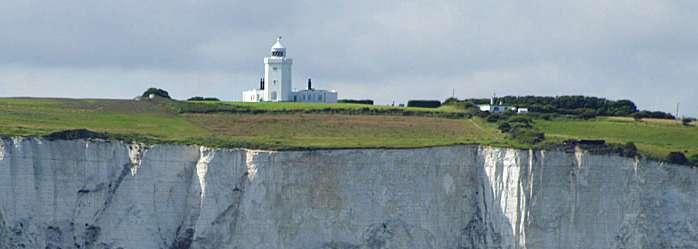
<point x="109" y="194"/>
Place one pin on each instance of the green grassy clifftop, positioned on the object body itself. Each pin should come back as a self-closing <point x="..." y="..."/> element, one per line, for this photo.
<point x="304" y="125"/>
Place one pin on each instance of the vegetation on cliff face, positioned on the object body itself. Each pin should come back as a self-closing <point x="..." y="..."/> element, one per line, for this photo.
<point x="308" y="125"/>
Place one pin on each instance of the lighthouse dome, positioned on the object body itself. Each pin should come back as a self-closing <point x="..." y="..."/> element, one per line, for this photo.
<point x="278" y="49"/>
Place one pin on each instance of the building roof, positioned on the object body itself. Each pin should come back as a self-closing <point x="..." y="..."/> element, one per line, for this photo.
<point x="278" y="47"/>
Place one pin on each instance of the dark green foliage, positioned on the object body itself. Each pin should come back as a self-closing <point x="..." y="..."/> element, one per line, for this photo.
<point x="527" y="136"/>
<point x="629" y="150"/>
<point x="504" y="127"/>
<point x="519" y="128"/>
<point x="76" y="134"/>
<point x="588" y="114"/>
<point x="518" y="122"/>
<point x="677" y="158"/>
<point x="451" y="101"/>
<point x="687" y="121"/>
<point x="650" y="114"/>
<point x="199" y="98"/>
<point x="356" y="101"/>
<point x="424" y="103"/>
<point x="521" y="119"/>
<point x="494" y="117"/>
<point x="157" y="92"/>
<point x="569" y="105"/>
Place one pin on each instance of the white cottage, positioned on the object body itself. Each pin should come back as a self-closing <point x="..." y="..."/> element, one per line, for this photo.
<point x="276" y="86"/>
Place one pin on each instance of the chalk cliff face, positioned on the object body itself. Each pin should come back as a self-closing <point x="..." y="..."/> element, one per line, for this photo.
<point x="101" y="194"/>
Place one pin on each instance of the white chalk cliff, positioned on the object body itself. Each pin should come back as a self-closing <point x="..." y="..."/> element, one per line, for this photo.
<point x="110" y="194"/>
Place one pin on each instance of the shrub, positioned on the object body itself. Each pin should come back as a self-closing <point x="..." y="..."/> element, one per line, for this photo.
<point x="482" y="114"/>
<point x="199" y="98"/>
<point x="649" y="114"/>
<point x="687" y="121"/>
<point x="157" y="92"/>
<point x="76" y="134"/>
<point x="424" y="103"/>
<point x="451" y="101"/>
<point x="629" y="150"/>
<point x="493" y="118"/>
<point x="677" y="158"/>
<point x="527" y="136"/>
<point x="356" y="101"/>
<point x="504" y="127"/>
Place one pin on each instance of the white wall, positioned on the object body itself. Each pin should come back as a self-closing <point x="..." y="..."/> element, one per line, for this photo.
<point x="315" y="96"/>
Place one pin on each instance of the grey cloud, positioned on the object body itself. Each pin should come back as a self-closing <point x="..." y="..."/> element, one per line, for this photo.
<point x="644" y="50"/>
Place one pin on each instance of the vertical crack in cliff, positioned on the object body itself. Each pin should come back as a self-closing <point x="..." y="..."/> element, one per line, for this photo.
<point x="4" y="233"/>
<point x="2" y="150"/>
<point x="112" y="188"/>
<point x="205" y="157"/>
<point x="135" y="154"/>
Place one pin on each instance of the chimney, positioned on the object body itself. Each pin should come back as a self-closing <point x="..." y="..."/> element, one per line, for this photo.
<point x="310" y="84"/>
<point x="261" y="83"/>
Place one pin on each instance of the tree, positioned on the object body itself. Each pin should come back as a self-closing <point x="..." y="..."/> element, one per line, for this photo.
<point x="493" y="118"/>
<point x="677" y="158"/>
<point x="687" y="121"/>
<point x="629" y="150"/>
<point x="157" y="92"/>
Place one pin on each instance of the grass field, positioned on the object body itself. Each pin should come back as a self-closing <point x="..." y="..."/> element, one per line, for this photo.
<point x="342" y="131"/>
<point x="272" y="126"/>
<point x="291" y="107"/>
<point x="302" y="125"/>
<point x="655" y="137"/>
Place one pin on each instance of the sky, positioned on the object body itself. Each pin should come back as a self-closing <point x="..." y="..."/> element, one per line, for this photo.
<point x="389" y="50"/>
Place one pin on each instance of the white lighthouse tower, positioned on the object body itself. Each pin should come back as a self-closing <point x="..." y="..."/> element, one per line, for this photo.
<point x="277" y="74"/>
<point x="276" y="86"/>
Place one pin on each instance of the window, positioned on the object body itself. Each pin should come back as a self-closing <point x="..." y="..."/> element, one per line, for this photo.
<point x="273" y="95"/>
<point x="274" y="82"/>
<point x="274" y="68"/>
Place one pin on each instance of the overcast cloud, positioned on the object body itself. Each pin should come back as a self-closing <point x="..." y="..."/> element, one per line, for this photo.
<point x="644" y="50"/>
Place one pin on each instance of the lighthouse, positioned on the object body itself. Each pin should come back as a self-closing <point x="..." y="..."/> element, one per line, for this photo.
<point x="277" y="74"/>
<point x="277" y="85"/>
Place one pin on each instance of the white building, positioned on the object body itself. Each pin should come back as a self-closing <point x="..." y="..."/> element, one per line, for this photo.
<point x="276" y="86"/>
<point x="493" y="108"/>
